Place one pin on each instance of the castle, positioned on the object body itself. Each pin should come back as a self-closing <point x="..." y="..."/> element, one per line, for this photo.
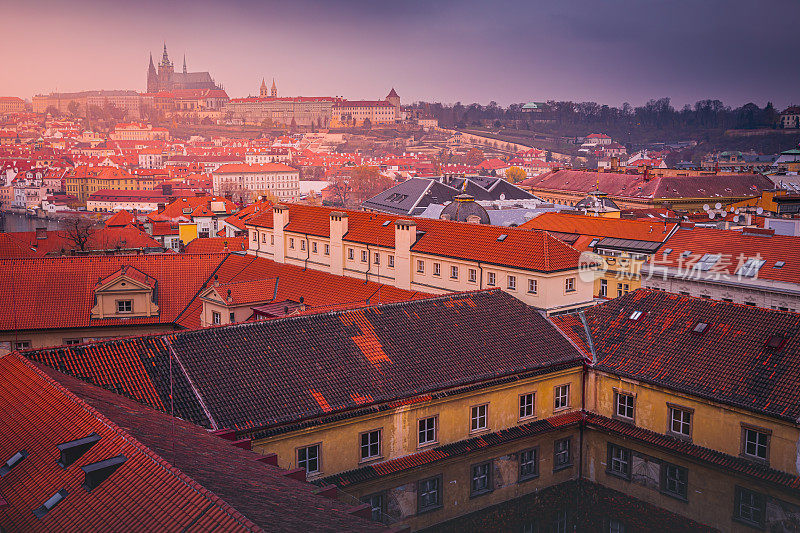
<point x="166" y="79"/>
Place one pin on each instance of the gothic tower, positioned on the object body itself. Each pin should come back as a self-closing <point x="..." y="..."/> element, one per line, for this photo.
<point x="263" y="93"/>
<point x="152" y="77"/>
<point x="165" y="72"/>
<point x="274" y="91"/>
<point x="184" y="63"/>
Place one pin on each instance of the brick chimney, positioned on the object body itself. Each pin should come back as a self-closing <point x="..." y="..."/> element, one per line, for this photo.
<point x="280" y="217"/>
<point x="340" y="225"/>
<point x="405" y="234"/>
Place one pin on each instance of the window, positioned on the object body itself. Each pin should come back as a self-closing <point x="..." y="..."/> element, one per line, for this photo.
<point x="623" y="289"/>
<point x="680" y="421"/>
<point x="674" y="480"/>
<point x="71" y="342"/>
<point x="472" y="275"/>
<point x="604" y="287"/>
<point x="371" y="444"/>
<point x="255" y="236"/>
<point x="755" y="443"/>
<point x="569" y="285"/>
<point x="533" y="286"/>
<point x="124" y="306"/>
<point x="216" y="318"/>
<point x="561" y="454"/>
<point x="351" y="254"/>
<point x="619" y="461"/>
<point x="421" y="267"/>
<point x="427" y="430"/>
<point x="308" y="458"/>
<point x="327" y="249"/>
<point x="22" y="345"/>
<point x="623" y="406"/>
<point x="512" y="283"/>
<point x="491" y="278"/>
<point x="561" y="397"/>
<point x="526" y="403"/>
<point x="528" y="464"/>
<point x="291" y="243"/>
<point x="453" y="272"/>
<point x="264" y="238"/>
<point x="477" y="417"/>
<point x="302" y="245"/>
<point x="615" y="526"/>
<point x="749" y="507"/>
<point x="232" y="318"/>
<point x="272" y="240"/>
<point x="314" y="247"/>
<point x="481" y="479"/>
<point x="437" y="269"/>
<point x="364" y="256"/>
<point x="429" y="494"/>
<point x="377" y="505"/>
<point x="750" y="268"/>
<point x="390" y="261"/>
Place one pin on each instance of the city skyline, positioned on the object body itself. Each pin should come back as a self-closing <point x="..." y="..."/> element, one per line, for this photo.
<point x="470" y="52"/>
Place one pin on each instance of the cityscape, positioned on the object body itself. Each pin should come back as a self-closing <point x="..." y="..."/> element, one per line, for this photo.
<point x="452" y="267"/>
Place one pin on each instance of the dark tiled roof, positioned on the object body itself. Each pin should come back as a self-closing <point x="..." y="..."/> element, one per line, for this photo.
<point x="729" y="362"/>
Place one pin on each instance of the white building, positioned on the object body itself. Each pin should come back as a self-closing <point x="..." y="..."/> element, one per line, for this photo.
<point x="275" y="179"/>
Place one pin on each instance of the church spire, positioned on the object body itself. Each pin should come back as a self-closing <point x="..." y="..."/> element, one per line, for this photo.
<point x="263" y="91"/>
<point x="274" y="91"/>
<point x="151" y="67"/>
<point x="165" y="57"/>
<point x="184" y="63"/>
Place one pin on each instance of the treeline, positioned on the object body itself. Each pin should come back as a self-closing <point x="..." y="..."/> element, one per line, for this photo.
<point x="580" y="118"/>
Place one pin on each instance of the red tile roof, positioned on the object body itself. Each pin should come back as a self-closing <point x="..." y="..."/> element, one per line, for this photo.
<point x="653" y="231"/>
<point x="120" y="218"/>
<point x="103" y="238"/>
<point x="214" y="245"/>
<point x="243" y="168"/>
<point x="175" y="210"/>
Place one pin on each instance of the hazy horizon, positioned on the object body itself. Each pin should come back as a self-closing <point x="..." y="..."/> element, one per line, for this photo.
<point x="609" y="52"/>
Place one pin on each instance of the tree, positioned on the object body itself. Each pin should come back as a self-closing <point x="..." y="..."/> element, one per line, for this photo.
<point x="73" y="108"/>
<point x="367" y="182"/>
<point x="475" y="156"/>
<point x="515" y="174"/>
<point x="342" y="189"/>
<point x="78" y="231"/>
<point x="367" y="124"/>
<point x="52" y="111"/>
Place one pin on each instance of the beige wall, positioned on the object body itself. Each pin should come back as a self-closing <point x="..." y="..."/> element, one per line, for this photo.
<point x="46" y="338"/>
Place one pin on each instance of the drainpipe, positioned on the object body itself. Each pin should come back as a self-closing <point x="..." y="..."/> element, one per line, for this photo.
<point x="369" y="265"/>
<point x="480" y="286"/>
<point x="308" y="253"/>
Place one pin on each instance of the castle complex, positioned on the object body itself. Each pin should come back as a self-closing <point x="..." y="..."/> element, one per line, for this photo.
<point x="166" y="79"/>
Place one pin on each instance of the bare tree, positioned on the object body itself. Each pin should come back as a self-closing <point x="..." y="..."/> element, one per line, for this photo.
<point x="78" y="231"/>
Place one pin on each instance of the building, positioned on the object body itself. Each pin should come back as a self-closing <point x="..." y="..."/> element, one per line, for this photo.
<point x="434" y="256"/>
<point x="79" y="103"/>
<point x="361" y="112"/>
<point x="12" y="104"/>
<point x="297" y="110"/>
<point x="790" y="118"/>
<point x="138" y="132"/>
<point x="109" y="200"/>
<point x="752" y="266"/>
<point x="275" y="180"/>
<point x="166" y="79"/>
<point x="85" y="181"/>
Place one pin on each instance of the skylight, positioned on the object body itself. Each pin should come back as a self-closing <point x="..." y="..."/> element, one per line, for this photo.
<point x="636" y="315"/>
<point x="706" y="262"/>
<point x="502" y="237"/>
<point x="593" y="243"/>
<point x="700" y="328"/>
<point x="50" y="503"/>
<point x="667" y="251"/>
<point x="14" y="461"/>
<point x="779" y="264"/>
<point x="750" y="267"/>
<point x="386" y="223"/>
<point x="686" y="253"/>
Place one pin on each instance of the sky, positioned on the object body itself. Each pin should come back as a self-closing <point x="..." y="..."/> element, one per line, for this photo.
<point x="607" y="51"/>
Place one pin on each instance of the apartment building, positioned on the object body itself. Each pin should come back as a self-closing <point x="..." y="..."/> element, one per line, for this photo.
<point x="273" y="179"/>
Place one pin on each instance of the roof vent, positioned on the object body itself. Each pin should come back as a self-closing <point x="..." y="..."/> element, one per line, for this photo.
<point x="779" y="264"/>
<point x="11" y="463"/>
<point x="73" y="450"/>
<point x="98" y="472"/>
<point x="502" y="237"/>
<point x="776" y="342"/>
<point x="700" y="328"/>
<point x="636" y="315"/>
<point x="50" y="503"/>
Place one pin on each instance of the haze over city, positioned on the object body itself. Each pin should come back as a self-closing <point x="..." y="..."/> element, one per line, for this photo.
<point x="609" y="52"/>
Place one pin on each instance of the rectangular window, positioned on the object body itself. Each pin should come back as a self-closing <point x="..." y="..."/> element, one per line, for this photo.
<point x="371" y="444"/>
<point x="303" y="245"/>
<point x="314" y="247"/>
<point x="623" y="406"/>
<point x="327" y="249"/>
<point x="453" y="272"/>
<point x="216" y="318"/>
<point x="526" y="403"/>
<point x="674" y="480"/>
<point x="528" y="464"/>
<point x="429" y="494"/>
<point x="755" y="443"/>
<point x="390" y="261"/>
<point x="472" y="275"/>
<point x="377" y="504"/>
<point x="622" y="289"/>
<point x="71" y="342"/>
<point x="478" y="418"/>
<point x="364" y="256"/>
<point x="749" y="507"/>
<point x="603" y="288"/>
<point x="308" y="458"/>
<point x="351" y="254"/>
<point x="291" y="243"/>
<point x="377" y="259"/>
<point x="427" y="430"/>
<point x="421" y="267"/>
<point x="512" y="283"/>
<point x="22" y="345"/>
<point x="619" y="461"/>
<point x="680" y="421"/>
<point x="255" y="236"/>
<point x="437" y="269"/>
<point x="569" y="285"/>
<point x="561" y="397"/>
<point x="481" y="479"/>
<point x="124" y="306"/>
<point x="491" y="278"/>
<point x="272" y="240"/>
<point x="562" y="457"/>
<point x="264" y="238"/>
<point x="533" y="286"/>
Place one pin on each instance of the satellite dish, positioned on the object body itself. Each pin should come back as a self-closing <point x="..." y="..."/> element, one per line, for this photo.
<point x="760" y="210"/>
<point x="706" y="207"/>
<point x="503" y="196"/>
<point x="736" y="218"/>
<point x="737" y="211"/>
<point x="711" y="215"/>
<point x="718" y="205"/>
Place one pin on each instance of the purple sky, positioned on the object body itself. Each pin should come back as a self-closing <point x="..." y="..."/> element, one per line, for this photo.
<point x="608" y="51"/>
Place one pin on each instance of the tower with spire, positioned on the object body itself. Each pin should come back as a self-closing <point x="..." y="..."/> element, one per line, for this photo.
<point x="152" y="77"/>
<point x="184" y="63"/>
<point x="274" y="90"/>
<point x="263" y="93"/>
<point x="166" y="79"/>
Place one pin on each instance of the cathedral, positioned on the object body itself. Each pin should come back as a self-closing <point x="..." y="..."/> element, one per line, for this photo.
<point x="166" y="79"/>
<point x="273" y="93"/>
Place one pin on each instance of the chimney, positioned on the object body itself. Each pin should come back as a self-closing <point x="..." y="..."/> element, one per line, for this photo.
<point x="41" y="233"/>
<point x="340" y="225"/>
<point x="405" y="234"/>
<point x="280" y="217"/>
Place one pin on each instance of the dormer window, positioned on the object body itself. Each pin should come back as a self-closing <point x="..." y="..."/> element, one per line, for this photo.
<point x="124" y="306"/>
